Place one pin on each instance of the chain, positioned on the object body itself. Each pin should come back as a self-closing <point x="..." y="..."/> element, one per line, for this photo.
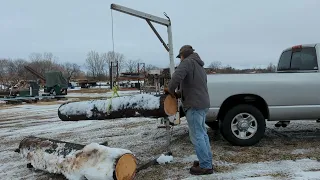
<point x="112" y="34"/>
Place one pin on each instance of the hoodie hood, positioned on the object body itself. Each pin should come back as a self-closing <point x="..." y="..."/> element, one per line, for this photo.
<point x="196" y="57"/>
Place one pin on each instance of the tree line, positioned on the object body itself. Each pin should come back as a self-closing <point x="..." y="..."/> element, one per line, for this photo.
<point x="97" y="67"/>
<point x="13" y="70"/>
<point x="217" y="67"/>
<point x="99" y="64"/>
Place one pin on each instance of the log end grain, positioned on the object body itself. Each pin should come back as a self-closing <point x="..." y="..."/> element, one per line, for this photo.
<point x="126" y="167"/>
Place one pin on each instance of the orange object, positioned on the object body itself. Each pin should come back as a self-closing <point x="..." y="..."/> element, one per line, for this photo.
<point x="170" y="105"/>
<point x="126" y="167"/>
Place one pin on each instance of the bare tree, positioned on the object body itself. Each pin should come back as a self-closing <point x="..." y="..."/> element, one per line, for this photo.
<point x="92" y="58"/>
<point x="4" y="71"/>
<point x="115" y="57"/>
<point x="215" y="65"/>
<point x="96" y="64"/>
<point x="35" y="57"/>
<point x="132" y="65"/>
<point x="151" y="67"/>
<point x="44" y="62"/>
<point x="71" y="70"/>
<point x="271" y="67"/>
<point x="16" y="70"/>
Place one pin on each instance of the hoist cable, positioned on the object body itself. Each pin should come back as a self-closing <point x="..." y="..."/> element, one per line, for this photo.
<point x="112" y="33"/>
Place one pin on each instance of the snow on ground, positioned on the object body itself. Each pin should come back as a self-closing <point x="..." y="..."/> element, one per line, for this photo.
<point x="284" y="153"/>
<point x="134" y="134"/>
<point x="293" y="170"/>
<point x="163" y="159"/>
<point x="74" y="89"/>
<point x="100" y="87"/>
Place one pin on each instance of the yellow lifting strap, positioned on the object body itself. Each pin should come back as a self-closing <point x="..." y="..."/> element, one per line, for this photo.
<point x="115" y="92"/>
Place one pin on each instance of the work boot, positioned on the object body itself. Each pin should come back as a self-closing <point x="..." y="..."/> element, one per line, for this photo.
<point x="197" y="163"/>
<point x="200" y="171"/>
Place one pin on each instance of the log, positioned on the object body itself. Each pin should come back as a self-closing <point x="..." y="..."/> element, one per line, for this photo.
<point x="140" y="105"/>
<point x="76" y="161"/>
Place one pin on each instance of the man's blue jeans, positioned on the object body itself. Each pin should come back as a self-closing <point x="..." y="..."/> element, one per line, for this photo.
<point x="199" y="137"/>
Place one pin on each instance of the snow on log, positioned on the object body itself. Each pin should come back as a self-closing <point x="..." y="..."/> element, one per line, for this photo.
<point x="145" y="105"/>
<point x="77" y="161"/>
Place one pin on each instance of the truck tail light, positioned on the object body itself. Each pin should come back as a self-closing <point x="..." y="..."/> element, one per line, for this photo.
<point x="297" y="47"/>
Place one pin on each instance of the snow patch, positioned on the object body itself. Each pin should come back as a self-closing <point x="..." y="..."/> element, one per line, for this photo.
<point x="139" y="101"/>
<point x="74" y="89"/>
<point x="163" y="159"/>
<point x="310" y="175"/>
<point x="94" y="161"/>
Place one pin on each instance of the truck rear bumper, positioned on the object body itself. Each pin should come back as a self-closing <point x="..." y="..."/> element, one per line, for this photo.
<point x="212" y="114"/>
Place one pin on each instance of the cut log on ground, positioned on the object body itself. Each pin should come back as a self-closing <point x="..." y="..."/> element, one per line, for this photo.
<point x="143" y="105"/>
<point x="76" y="161"/>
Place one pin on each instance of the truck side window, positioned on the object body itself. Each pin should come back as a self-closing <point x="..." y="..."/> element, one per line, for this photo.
<point x="284" y="62"/>
<point x="305" y="59"/>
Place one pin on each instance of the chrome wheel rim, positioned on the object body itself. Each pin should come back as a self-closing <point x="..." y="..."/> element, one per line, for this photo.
<point x="244" y="126"/>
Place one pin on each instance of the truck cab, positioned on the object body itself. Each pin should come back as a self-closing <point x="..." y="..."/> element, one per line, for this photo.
<point x="300" y="58"/>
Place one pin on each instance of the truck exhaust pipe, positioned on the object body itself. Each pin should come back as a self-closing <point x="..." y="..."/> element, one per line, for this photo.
<point x="285" y="123"/>
<point x="282" y="124"/>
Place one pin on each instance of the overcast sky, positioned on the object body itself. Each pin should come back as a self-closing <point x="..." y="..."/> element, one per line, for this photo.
<point x="242" y="33"/>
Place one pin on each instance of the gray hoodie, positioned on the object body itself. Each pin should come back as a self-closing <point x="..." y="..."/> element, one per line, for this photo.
<point x="192" y="78"/>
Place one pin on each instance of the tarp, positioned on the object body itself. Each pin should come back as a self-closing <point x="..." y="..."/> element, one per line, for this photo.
<point x="55" y="78"/>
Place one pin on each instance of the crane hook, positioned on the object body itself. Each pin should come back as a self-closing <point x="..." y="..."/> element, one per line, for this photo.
<point x="165" y="14"/>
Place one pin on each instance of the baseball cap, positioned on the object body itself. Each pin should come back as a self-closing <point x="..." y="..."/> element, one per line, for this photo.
<point x="184" y="49"/>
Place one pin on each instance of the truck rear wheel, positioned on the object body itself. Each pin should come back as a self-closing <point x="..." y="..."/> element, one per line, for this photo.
<point x="243" y="125"/>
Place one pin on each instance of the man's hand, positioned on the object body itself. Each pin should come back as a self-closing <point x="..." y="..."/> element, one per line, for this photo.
<point x="175" y="94"/>
<point x="166" y="91"/>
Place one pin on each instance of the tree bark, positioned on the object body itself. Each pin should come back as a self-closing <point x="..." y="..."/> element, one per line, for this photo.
<point x="128" y="106"/>
<point x="76" y="161"/>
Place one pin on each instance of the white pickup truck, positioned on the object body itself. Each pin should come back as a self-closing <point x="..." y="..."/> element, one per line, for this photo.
<point x="242" y="103"/>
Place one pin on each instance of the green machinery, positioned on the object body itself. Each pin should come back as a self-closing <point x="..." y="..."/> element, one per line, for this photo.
<point x="56" y="86"/>
<point x="55" y="83"/>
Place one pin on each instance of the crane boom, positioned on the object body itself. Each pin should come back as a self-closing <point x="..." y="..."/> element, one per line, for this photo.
<point x="34" y="72"/>
<point x="151" y="18"/>
<point x="140" y="14"/>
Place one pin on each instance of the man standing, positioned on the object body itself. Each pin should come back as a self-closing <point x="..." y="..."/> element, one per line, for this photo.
<point x="192" y="78"/>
